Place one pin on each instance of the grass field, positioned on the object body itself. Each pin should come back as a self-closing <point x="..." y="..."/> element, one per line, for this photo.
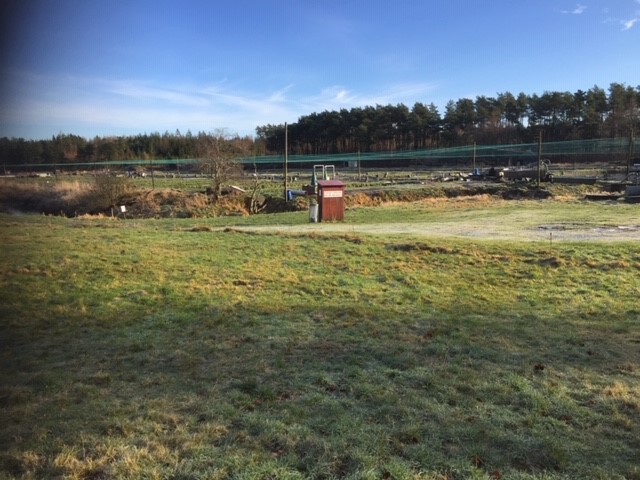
<point x="176" y="349"/>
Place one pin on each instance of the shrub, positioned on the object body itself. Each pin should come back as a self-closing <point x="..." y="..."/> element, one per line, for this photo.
<point x="108" y="189"/>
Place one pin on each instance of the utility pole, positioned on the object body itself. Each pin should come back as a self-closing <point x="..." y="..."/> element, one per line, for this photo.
<point x="286" y="161"/>
<point x="153" y="180"/>
<point x="630" y="158"/>
<point x="539" y="157"/>
<point x="474" y="158"/>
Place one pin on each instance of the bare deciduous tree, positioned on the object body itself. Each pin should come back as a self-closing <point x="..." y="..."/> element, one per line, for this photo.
<point x="256" y="200"/>
<point x="219" y="153"/>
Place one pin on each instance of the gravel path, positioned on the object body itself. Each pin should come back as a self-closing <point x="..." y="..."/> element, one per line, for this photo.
<point x="543" y="232"/>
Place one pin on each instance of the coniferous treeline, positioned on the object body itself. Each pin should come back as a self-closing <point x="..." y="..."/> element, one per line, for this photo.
<point x="72" y="149"/>
<point x="503" y="119"/>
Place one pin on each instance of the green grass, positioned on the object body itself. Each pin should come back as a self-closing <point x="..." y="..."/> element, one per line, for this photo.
<point x="162" y="349"/>
<point x="512" y="220"/>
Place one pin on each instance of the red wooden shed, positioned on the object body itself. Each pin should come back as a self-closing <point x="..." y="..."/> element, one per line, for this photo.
<point x="331" y="200"/>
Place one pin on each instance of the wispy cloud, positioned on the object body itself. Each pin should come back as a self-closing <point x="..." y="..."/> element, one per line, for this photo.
<point x="94" y="106"/>
<point x="337" y="97"/>
<point x="579" y="10"/>
<point x="626" y="25"/>
<point x="628" y="21"/>
<point x="141" y="91"/>
<point x="103" y="107"/>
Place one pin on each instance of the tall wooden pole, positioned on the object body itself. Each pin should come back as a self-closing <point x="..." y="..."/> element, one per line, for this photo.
<point x="539" y="156"/>
<point x="474" y="158"/>
<point x="286" y="161"/>
<point x="630" y="158"/>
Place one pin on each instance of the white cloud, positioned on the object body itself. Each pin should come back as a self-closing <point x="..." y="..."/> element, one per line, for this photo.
<point x="141" y="91"/>
<point x="576" y="11"/>
<point x="93" y="106"/>
<point x="58" y="103"/>
<point x="579" y="9"/>
<point x="336" y="97"/>
<point x="627" y="22"/>
<point x="280" y="95"/>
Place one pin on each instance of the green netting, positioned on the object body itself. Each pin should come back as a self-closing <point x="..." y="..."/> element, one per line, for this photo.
<point x="606" y="148"/>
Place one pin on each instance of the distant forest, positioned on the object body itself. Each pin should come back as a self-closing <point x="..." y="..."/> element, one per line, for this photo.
<point x="503" y="119"/>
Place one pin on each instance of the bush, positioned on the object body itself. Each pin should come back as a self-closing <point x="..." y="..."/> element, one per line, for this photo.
<point x="108" y="189"/>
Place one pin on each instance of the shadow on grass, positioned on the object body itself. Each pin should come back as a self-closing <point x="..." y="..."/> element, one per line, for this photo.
<point x="318" y="392"/>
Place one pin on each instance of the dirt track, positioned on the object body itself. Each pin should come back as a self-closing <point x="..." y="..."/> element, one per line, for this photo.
<point x="553" y="232"/>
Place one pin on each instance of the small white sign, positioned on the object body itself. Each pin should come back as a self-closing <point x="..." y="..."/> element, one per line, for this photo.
<point x="332" y="193"/>
<point x="123" y="209"/>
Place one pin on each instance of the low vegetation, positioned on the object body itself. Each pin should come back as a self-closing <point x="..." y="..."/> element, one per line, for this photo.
<point x="73" y="196"/>
<point x="106" y="194"/>
<point x="178" y="348"/>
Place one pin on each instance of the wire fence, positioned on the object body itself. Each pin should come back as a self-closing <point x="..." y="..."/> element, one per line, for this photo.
<point x="591" y="149"/>
<point x="618" y="150"/>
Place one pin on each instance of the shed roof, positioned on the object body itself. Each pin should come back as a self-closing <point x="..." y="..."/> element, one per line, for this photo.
<point x="330" y="183"/>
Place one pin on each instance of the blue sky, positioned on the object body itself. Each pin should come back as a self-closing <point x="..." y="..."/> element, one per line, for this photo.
<point x="120" y="67"/>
